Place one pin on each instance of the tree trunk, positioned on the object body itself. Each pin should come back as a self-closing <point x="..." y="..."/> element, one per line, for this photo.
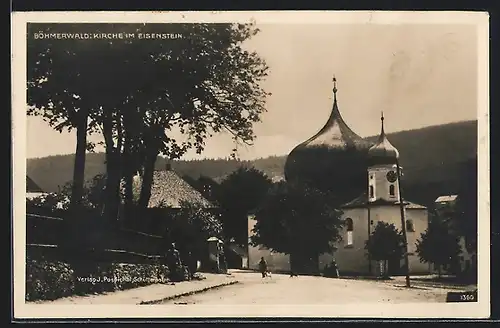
<point x="79" y="164"/>
<point x="128" y="175"/>
<point x="113" y="171"/>
<point x="147" y="178"/>
<point x="77" y="240"/>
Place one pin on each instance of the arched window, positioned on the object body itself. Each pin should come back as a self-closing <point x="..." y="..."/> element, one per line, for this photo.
<point x="409" y="226"/>
<point x="392" y="190"/>
<point x="372" y="193"/>
<point x="350" y="228"/>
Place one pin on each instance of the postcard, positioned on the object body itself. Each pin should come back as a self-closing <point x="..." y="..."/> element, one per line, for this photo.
<point x="286" y="164"/>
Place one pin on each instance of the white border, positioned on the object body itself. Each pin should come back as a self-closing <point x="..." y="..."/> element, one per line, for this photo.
<point x="480" y="309"/>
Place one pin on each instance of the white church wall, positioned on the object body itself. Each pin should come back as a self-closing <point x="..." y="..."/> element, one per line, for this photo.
<point x="277" y="262"/>
<point x="420" y="220"/>
<point x="351" y="258"/>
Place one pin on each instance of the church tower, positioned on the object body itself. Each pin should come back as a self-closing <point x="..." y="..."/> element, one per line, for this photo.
<point x="383" y="182"/>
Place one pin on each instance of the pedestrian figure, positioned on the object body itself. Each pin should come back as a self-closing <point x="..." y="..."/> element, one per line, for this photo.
<point x="335" y="269"/>
<point x="192" y="264"/>
<point x="263" y="267"/>
<point x="174" y="264"/>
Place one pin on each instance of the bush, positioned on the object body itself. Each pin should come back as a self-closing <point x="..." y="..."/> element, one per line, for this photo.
<point x="50" y="280"/>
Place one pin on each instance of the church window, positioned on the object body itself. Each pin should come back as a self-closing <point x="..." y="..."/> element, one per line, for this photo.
<point x="372" y="193"/>
<point x="409" y="226"/>
<point x="392" y="191"/>
<point x="350" y="228"/>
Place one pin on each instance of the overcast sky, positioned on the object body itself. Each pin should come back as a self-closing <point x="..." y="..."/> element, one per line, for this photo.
<point x="419" y="75"/>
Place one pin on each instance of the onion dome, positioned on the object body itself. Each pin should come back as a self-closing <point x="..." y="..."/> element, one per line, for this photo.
<point x="334" y="159"/>
<point x="383" y="152"/>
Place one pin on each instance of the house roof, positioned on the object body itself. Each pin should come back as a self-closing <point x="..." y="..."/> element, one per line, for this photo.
<point x="170" y="190"/>
<point x="31" y="186"/>
<point x="445" y="199"/>
<point x="362" y="201"/>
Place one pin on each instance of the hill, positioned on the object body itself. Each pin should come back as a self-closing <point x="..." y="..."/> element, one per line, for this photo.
<point x="432" y="159"/>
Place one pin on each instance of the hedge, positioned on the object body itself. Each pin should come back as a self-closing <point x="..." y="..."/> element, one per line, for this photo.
<point x="50" y="279"/>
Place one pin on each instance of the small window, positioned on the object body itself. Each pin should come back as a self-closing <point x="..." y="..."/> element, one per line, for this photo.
<point x="371" y="192"/>
<point x="371" y="176"/>
<point x="392" y="191"/>
<point x="349" y="238"/>
<point x="350" y="228"/>
<point x="349" y="224"/>
<point x="409" y="226"/>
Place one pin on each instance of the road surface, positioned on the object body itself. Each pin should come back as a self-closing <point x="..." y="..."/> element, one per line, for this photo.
<point x="282" y="289"/>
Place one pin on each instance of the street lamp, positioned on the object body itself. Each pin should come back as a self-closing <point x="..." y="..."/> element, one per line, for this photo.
<point x="403" y="224"/>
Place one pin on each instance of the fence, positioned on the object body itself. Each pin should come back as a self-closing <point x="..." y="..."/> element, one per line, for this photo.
<point x="51" y="234"/>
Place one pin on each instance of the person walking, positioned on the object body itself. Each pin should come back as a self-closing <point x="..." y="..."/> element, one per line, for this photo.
<point x="174" y="264"/>
<point x="263" y="267"/>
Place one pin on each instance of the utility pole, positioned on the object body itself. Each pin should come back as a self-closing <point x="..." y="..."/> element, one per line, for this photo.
<point x="369" y="235"/>
<point x="403" y="225"/>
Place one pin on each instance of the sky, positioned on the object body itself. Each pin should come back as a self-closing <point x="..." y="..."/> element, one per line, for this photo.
<point x="418" y="75"/>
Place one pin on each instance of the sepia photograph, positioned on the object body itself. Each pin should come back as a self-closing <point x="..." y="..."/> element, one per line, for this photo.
<point x="251" y="164"/>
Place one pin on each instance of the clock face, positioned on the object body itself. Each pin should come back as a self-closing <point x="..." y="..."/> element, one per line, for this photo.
<point x="392" y="176"/>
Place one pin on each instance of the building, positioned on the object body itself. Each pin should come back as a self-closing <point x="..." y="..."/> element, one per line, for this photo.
<point x="381" y="202"/>
<point x="334" y="159"/>
<point x="364" y="177"/>
<point x="169" y="193"/>
<point x="446" y="207"/>
<point x="32" y="189"/>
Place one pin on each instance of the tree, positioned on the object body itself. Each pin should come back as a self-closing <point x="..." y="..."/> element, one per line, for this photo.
<point x="438" y="245"/>
<point x="297" y="220"/>
<point x="466" y="204"/>
<point x="191" y="226"/>
<point x="385" y="244"/>
<point x="138" y="90"/>
<point x="58" y="104"/>
<point x="238" y="195"/>
<point x="91" y="199"/>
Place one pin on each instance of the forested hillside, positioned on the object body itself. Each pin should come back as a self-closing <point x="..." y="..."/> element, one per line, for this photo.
<point x="432" y="158"/>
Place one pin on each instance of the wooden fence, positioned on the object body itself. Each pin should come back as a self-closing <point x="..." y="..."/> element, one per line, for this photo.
<point x="53" y="235"/>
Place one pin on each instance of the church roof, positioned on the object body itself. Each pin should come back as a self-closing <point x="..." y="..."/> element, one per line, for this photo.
<point x="383" y="152"/>
<point x="336" y="133"/>
<point x="170" y="190"/>
<point x="362" y="202"/>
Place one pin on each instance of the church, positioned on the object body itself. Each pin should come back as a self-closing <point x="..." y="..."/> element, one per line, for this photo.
<point x="365" y="177"/>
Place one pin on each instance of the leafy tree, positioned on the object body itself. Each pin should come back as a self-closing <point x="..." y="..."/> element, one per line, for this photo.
<point x="191" y="227"/>
<point x="438" y="245"/>
<point x="466" y="204"/>
<point x="238" y="195"/>
<point x="138" y="91"/>
<point x="385" y="244"/>
<point x="92" y="198"/>
<point x="297" y="220"/>
<point x="49" y="202"/>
